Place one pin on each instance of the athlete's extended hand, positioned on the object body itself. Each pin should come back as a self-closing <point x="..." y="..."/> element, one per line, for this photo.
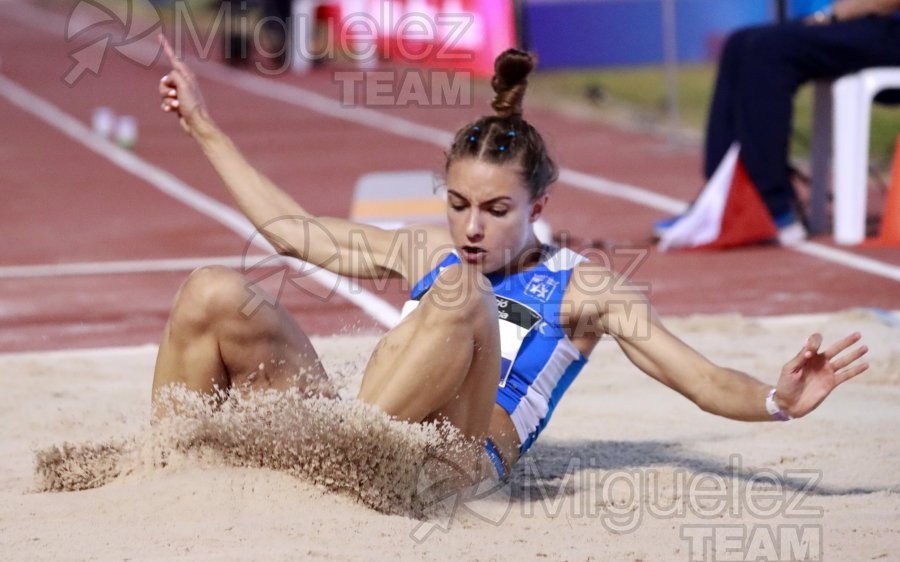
<point x="807" y="379"/>
<point x="181" y="93"/>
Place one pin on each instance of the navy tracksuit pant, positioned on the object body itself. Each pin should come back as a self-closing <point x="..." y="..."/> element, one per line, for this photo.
<point x="759" y="73"/>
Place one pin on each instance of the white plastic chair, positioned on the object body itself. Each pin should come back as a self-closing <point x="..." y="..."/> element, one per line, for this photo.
<point x="842" y="118"/>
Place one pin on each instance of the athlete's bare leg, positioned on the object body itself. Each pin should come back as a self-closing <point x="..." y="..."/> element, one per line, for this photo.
<point x="443" y="360"/>
<point x="210" y="343"/>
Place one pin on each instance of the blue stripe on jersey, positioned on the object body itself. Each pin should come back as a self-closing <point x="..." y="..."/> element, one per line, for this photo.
<point x="542" y="352"/>
<point x="426" y="282"/>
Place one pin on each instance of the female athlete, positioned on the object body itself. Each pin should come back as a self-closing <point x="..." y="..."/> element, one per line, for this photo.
<point x="498" y="324"/>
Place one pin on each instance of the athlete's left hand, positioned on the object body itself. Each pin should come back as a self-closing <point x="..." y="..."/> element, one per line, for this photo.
<point x="808" y="378"/>
<point x="180" y="93"/>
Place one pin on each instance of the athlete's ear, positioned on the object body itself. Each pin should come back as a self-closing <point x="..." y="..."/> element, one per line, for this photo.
<point x="537" y="207"/>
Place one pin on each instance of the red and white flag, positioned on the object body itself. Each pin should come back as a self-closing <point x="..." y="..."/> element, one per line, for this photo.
<point x="729" y="212"/>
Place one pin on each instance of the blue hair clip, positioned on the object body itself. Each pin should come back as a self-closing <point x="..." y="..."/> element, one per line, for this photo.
<point x="502" y="148"/>
<point x="511" y="134"/>
<point x="472" y="138"/>
<point x="476" y="128"/>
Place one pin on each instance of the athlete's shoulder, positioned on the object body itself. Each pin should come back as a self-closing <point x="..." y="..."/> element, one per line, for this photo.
<point x="593" y="278"/>
<point x="429" y="246"/>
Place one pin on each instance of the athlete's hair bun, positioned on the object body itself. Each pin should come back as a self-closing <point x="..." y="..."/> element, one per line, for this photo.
<point x="511" y="70"/>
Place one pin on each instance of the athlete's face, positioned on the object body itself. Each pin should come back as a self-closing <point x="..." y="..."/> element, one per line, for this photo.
<point x="490" y="213"/>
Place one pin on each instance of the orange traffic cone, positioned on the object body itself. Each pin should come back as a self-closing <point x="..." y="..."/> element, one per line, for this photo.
<point x="889" y="235"/>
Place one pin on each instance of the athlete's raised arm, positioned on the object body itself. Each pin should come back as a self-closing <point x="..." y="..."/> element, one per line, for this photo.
<point x="341" y="246"/>
<point x="605" y="303"/>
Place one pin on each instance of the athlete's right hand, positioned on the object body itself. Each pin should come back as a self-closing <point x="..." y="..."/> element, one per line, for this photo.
<point x="180" y="92"/>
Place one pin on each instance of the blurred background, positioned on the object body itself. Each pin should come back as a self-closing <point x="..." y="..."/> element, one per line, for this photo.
<point x="647" y="64"/>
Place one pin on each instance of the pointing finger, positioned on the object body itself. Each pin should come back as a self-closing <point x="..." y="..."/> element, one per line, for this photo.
<point x="176" y="63"/>
<point x="167" y="49"/>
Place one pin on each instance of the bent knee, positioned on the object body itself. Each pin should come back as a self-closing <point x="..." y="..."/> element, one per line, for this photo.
<point x="735" y="45"/>
<point x="208" y="294"/>
<point x="741" y="47"/>
<point x="774" y="44"/>
<point x="462" y="293"/>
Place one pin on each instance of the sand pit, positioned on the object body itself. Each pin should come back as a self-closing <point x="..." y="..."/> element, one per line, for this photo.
<point x="627" y="470"/>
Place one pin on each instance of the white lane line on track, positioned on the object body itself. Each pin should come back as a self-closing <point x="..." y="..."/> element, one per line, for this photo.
<point x="52" y="23"/>
<point x="128" y="266"/>
<point x="379" y="309"/>
<point x="848" y="259"/>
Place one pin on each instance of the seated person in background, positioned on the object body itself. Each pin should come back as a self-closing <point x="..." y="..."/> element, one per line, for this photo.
<point x="761" y="69"/>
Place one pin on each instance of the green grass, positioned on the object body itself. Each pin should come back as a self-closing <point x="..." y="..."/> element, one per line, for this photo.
<point x="642" y="91"/>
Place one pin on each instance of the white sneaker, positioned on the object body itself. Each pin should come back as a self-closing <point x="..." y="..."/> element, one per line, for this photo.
<point x="792" y="233"/>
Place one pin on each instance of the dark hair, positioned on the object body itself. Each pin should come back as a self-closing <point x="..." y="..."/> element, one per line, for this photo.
<point x="506" y="136"/>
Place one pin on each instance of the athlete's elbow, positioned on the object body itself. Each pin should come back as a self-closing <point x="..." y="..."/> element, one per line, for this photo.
<point x="282" y="249"/>
<point x="704" y="404"/>
<point x="279" y="243"/>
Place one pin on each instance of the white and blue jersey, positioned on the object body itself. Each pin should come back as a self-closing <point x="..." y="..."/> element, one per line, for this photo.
<point x="539" y="361"/>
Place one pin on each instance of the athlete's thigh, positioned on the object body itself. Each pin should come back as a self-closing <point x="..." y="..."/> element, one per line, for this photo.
<point x="431" y="367"/>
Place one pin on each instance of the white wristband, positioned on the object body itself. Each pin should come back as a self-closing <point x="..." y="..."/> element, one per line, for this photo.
<point x="773" y="408"/>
